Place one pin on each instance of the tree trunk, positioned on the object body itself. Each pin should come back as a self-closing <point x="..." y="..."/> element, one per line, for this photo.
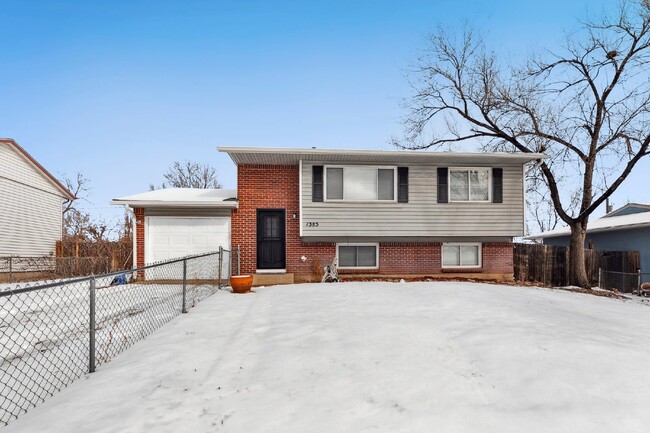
<point x="577" y="270"/>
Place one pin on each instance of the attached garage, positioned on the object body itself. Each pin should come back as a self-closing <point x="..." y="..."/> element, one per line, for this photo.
<point x="177" y="222"/>
<point x="170" y="237"/>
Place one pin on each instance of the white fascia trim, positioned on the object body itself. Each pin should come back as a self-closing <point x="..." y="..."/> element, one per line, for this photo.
<point x="192" y="204"/>
<point x="312" y="151"/>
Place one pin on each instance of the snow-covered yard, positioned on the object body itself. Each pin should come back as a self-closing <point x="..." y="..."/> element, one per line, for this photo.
<point x="384" y="357"/>
<point x="44" y="334"/>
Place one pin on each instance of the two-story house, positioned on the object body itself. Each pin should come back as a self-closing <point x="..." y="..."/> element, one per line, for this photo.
<point x="388" y="213"/>
<point x="31" y="199"/>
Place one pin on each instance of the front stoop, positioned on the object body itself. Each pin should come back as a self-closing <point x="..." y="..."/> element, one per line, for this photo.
<point x="272" y="279"/>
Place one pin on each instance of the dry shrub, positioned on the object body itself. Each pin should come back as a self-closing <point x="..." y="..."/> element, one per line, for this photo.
<point x="317" y="270"/>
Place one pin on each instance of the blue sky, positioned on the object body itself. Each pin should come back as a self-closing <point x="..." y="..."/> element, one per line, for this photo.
<point x="120" y="90"/>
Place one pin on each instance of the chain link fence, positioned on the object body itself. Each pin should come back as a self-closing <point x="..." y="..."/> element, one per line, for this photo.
<point x="51" y="334"/>
<point x="624" y="282"/>
<point x="14" y="269"/>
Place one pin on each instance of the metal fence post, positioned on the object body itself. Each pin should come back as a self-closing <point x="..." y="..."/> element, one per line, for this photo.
<point x="238" y="261"/>
<point x="220" y="264"/>
<point x="638" y="282"/>
<point x="91" y="354"/>
<point x="600" y="278"/>
<point x="184" y="308"/>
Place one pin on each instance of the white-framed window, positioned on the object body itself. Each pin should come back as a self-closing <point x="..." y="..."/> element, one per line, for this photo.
<point x="357" y="256"/>
<point x="470" y="184"/>
<point x="360" y="183"/>
<point x="462" y="255"/>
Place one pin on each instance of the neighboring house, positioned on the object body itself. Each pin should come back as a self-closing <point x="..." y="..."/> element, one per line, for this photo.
<point x="390" y="213"/>
<point x="624" y="229"/>
<point x="175" y="222"/>
<point x="31" y="200"/>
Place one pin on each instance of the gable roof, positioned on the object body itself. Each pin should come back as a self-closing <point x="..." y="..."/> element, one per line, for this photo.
<point x="181" y="197"/>
<point x="291" y="156"/>
<point x="53" y="180"/>
<point x="628" y="209"/>
<point x="604" y="224"/>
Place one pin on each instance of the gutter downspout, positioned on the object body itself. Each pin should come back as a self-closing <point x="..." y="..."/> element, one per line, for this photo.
<point x="134" y="234"/>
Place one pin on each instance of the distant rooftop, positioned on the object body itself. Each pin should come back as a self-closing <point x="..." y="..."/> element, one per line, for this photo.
<point x="628" y="209"/>
<point x="604" y="224"/>
<point x="181" y="197"/>
<point x="291" y="156"/>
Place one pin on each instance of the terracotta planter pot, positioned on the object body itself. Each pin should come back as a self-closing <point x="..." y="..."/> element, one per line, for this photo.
<point x="241" y="283"/>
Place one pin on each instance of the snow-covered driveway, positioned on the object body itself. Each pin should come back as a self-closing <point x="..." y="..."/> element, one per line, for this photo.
<point x="375" y="357"/>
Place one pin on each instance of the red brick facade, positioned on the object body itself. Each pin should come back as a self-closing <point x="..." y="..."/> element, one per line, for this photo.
<point x="273" y="187"/>
<point x="139" y="235"/>
<point x="497" y="258"/>
<point x="276" y="187"/>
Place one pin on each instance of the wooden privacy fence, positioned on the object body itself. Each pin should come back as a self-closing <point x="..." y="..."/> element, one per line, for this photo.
<point x="119" y="254"/>
<point x="549" y="265"/>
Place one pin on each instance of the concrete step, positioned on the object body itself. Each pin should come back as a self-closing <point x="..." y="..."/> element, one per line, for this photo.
<point x="272" y="279"/>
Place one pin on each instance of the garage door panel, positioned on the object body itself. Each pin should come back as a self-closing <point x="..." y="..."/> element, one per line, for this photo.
<point x="160" y="240"/>
<point x="204" y="240"/>
<point x="179" y="240"/>
<point x="174" y="237"/>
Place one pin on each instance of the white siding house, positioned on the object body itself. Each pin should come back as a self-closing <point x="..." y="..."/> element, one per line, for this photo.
<point x="30" y="204"/>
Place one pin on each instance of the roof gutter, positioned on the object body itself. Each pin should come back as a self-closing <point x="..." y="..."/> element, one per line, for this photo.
<point x="191" y="204"/>
<point x="314" y="151"/>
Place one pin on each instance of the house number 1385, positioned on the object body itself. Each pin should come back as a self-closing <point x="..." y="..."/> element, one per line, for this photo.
<point x="311" y="224"/>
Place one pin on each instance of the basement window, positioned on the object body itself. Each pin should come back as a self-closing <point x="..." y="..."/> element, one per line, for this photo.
<point x="461" y="255"/>
<point x="357" y="256"/>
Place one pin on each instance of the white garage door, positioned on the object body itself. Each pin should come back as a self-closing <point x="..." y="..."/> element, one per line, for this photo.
<point x="173" y="237"/>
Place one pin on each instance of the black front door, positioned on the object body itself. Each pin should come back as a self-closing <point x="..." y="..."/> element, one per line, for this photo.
<point x="270" y="239"/>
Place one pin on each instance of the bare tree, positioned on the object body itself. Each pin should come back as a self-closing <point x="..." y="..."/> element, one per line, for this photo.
<point x="79" y="187"/>
<point x="125" y="228"/>
<point x="75" y="224"/>
<point x="586" y="106"/>
<point x="75" y="221"/>
<point x="190" y="175"/>
<point x="79" y="224"/>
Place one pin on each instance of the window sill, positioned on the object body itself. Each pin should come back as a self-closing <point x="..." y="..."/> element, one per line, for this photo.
<point x="340" y="268"/>
<point x="472" y="270"/>
<point x="357" y="201"/>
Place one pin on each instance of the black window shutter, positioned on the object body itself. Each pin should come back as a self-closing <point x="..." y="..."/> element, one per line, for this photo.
<point x="497" y="185"/>
<point x="317" y="183"/>
<point x="443" y="186"/>
<point x="402" y="184"/>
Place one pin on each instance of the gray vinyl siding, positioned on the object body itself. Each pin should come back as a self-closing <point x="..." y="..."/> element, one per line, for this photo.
<point x="30" y="220"/>
<point x="422" y="216"/>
